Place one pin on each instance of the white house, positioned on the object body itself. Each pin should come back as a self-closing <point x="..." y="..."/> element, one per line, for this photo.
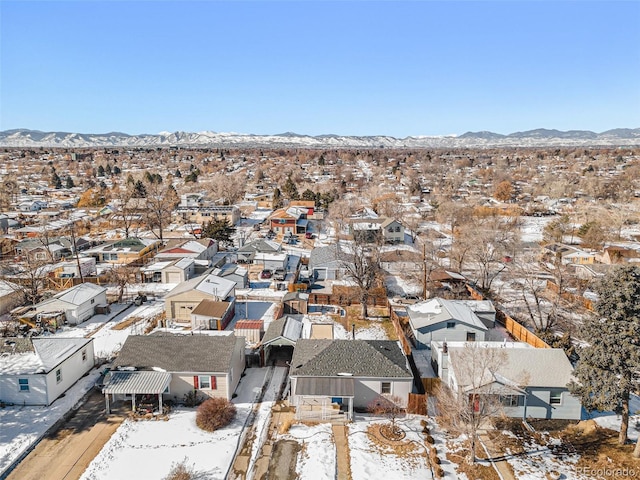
<point x="36" y="371"/>
<point x="78" y="302"/>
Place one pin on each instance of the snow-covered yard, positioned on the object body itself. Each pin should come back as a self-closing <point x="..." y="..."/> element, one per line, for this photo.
<point x="372" y="458"/>
<point x="149" y="449"/>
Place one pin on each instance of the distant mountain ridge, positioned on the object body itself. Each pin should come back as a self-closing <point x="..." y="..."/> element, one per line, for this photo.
<point x="532" y="138"/>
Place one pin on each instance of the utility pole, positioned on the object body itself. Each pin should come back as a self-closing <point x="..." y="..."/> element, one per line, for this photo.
<point x="75" y="250"/>
<point x="424" y="271"/>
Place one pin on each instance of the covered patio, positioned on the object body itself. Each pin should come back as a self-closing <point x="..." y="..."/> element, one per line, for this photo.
<point x="317" y="398"/>
<point x="125" y="384"/>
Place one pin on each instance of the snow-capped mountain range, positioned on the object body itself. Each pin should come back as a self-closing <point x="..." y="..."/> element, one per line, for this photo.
<point x="532" y="138"/>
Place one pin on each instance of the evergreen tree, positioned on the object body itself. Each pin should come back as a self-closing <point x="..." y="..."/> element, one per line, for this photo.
<point x="605" y="372"/>
<point x="219" y="230"/>
<point x="56" y="182"/>
<point x="289" y="189"/>
<point x="139" y="190"/>
<point x="277" y="198"/>
<point x="116" y="170"/>
<point x="178" y="174"/>
<point x="101" y="171"/>
<point x="69" y="183"/>
<point x="308" y="195"/>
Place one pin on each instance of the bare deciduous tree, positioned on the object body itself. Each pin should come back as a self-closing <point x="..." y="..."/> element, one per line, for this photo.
<point x="475" y="399"/>
<point x="361" y="261"/>
<point x="389" y="407"/>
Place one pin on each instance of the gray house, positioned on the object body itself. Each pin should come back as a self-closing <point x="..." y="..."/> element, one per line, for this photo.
<point x="247" y="253"/>
<point x="531" y="382"/>
<point x="438" y="320"/>
<point x="329" y="378"/>
<point x="235" y="273"/>
<point x="325" y="263"/>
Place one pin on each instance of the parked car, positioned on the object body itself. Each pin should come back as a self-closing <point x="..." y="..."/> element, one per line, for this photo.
<point x="279" y="274"/>
<point x="308" y="235"/>
<point x="407" y="299"/>
<point x="266" y="274"/>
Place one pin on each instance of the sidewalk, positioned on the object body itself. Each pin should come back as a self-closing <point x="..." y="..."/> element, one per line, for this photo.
<point x="502" y="466"/>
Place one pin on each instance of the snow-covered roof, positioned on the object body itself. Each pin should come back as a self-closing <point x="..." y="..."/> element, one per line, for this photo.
<point x="41" y="356"/>
<point x="439" y="310"/>
<point x="80" y="293"/>
<point x="209" y="284"/>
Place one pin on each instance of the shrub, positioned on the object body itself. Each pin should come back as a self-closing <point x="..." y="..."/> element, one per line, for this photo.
<point x="192" y="399"/>
<point x="181" y="471"/>
<point x="430" y="440"/>
<point x="215" y="413"/>
<point x="439" y="472"/>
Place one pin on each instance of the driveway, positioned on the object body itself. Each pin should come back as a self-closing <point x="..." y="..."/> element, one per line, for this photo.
<point x="66" y="452"/>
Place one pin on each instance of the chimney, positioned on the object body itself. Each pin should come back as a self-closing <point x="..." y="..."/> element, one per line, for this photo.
<point x="353" y="331"/>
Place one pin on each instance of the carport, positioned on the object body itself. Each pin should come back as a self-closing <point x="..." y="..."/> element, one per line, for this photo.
<point x="280" y="339"/>
<point x="138" y="382"/>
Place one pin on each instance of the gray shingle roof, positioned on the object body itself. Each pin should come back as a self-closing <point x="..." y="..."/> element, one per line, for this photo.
<point x="179" y="353"/>
<point x="361" y="358"/>
<point x="324" y="256"/>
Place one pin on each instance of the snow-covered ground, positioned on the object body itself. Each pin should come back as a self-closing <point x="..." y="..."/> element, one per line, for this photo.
<point x="612" y="421"/>
<point x="317" y="457"/>
<point x="148" y="449"/>
<point x="374" y="460"/>
<point x="21" y="427"/>
<point x="531" y="228"/>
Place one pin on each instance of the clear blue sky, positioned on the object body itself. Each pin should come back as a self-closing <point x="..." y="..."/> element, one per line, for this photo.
<point x="350" y="68"/>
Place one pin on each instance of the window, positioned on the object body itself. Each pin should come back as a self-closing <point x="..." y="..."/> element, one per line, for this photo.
<point x="471" y="337"/>
<point x="385" y="388"/>
<point x="58" y="375"/>
<point x="23" y="383"/>
<point x="205" y="381"/>
<point x="451" y="324"/>
<point x="93" y="300"/>
<point x="84" y="355"/>
<point x="509" y="400"/>
<point x="555" y="397"/>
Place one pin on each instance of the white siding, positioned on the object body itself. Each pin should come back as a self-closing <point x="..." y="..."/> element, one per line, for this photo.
<point x="72" y="369"/>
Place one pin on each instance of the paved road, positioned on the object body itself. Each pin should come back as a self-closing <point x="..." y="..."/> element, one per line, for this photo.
<point x="66" y="453"/>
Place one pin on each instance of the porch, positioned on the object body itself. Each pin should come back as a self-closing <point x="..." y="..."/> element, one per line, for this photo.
<point x="325" y="409"/>
<point x="323" y="398"/>
<point x="143" y="388"/>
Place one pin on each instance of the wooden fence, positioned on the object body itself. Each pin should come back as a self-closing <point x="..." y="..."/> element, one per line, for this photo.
<point x="417" y="404"/>
<point x="520" y="332"/>
<point x="430" y="385"/>
<point x="406" y="345"/>
<point x="570" y="297"/>
<point x="515" y="328"/>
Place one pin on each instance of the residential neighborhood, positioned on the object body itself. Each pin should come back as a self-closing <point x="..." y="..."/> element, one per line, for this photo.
<point x="325" y="294"/>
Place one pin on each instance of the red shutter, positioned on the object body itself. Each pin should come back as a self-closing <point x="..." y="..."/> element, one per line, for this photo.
<point x="214" y="386"/>
<point x="195" y="382"/>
